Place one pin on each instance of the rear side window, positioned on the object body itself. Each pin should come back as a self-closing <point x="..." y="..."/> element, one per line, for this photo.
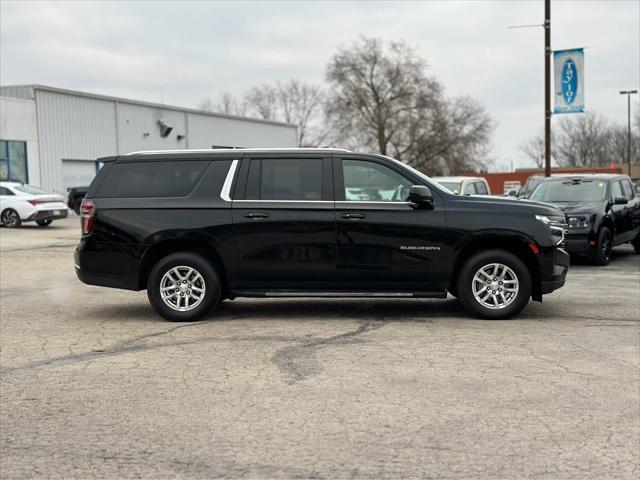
<point x="286" y="179"/>
<point x="5" y="191"/>
<point x="151" y="179"/>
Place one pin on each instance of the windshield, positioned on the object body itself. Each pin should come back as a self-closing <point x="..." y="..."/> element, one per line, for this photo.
<point x="30" y="190"/>
<point x="452" y="186"/>
<point x="569" y="191"/>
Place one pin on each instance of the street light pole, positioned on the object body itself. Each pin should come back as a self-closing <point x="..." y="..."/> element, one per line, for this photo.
<point x="628" y="93"/>
<point x="547" y="88"/>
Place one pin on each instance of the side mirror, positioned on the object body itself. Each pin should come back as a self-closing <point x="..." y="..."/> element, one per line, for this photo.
<point x="512" y="193"/>
<point x="420" y="196"/>
<point x="620" y="201"/>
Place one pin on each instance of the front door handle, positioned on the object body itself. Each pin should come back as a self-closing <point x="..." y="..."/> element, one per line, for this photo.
<point x="353" y="215"/>
<point x="256" y="215"/>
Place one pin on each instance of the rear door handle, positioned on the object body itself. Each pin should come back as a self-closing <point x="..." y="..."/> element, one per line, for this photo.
<point x="256" y="215"/>
<point x="353" y="215"/>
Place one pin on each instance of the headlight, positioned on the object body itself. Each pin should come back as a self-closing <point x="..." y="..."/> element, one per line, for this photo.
<point x="550" y="220"/>
<point x="579" y="221"/>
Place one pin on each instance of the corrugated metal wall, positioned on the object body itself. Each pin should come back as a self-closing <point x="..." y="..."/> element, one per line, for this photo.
<point x="206" y="131"/>
<point x="25" y="92"/>
<point x="72" y="127"/>
<point x="138" y="128"/>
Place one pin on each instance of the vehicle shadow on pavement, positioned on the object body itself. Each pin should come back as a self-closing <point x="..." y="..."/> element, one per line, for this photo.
<point x="300" y="309"/>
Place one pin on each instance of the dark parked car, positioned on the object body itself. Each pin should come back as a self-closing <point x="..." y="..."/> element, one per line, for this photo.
<point x="602" y="211"/>
<point x="75" y="196"/>
<point x="196" y="227"/>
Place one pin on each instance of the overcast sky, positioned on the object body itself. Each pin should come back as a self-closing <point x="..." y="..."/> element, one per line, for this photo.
<point x="183" y="52"/>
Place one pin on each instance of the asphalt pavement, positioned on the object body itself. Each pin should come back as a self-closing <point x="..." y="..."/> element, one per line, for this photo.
<point x="95" y="385"/>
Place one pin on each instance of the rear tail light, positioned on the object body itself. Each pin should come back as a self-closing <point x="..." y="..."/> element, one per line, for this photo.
<point x="35" y="202"/>
<point x="87" y="212"/>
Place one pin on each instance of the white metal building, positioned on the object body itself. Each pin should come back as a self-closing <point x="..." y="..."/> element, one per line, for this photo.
<point x="51" y="137"/>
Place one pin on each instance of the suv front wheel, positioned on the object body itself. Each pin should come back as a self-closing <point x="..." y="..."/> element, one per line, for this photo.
<point x="494" y="284"/>
<point x="183" y="287"/>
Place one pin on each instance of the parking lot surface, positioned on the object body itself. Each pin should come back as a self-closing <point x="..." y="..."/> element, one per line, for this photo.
<point x="96" y="385"/>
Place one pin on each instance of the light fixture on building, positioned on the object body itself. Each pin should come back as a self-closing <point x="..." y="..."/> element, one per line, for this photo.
<point x="181" y="137"/>
<point x="165" y="129"/>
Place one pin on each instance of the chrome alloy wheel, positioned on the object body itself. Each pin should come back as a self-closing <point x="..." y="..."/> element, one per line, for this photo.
<point x="495" y="286"/>
<point x="182" y="288"/>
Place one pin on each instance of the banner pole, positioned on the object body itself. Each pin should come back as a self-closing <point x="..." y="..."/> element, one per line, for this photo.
<point x="547" y="88"/>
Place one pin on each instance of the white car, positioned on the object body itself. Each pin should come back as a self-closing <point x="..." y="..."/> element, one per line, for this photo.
<point x="25" y="203"/>
<point x="465" y="185"/>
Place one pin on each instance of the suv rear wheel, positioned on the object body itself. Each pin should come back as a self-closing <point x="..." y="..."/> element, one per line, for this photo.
<point x="494" y="284"/>
<point x="183" y="287"/>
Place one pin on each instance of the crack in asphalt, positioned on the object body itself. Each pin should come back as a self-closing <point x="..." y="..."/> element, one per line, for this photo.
<point x="136" y="344"/>
<point x="299" y="362"/>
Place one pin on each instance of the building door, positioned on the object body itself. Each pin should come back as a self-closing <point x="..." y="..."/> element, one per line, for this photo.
<point x="77" y="173"/>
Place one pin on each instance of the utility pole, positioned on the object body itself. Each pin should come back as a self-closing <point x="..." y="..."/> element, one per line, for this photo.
<point x="628" y="93"/>
<point x="547" y="88"/>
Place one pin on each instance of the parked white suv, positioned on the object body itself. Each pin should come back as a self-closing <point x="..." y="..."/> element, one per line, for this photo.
<point x="465" y="185"/>
<point x="25" y="203"/>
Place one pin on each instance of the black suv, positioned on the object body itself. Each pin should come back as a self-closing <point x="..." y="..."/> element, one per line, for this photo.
<point x="196" y="227"/>
<point x="602" y="211"/>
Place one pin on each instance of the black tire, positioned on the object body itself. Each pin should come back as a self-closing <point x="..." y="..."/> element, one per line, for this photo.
<point x="211" y="279"/>
<point x="45" y="222"/>
<point x="602" y="255"/>
<point x="10" y="218"/>
<point x="513" y="305"/>
<point x="636" y="245"/>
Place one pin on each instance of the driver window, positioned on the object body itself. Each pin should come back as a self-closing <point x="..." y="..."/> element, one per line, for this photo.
<point x="371" y="182"/>
<point x="616" y="190"/>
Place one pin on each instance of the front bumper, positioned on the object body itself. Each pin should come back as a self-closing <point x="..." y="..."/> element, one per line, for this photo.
<point x="578" y="244"/>
<point x="555" y="273"/>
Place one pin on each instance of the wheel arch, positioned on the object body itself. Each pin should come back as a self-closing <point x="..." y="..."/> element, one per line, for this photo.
<point x="166" y="247"/>
<point x="514" y="244"/>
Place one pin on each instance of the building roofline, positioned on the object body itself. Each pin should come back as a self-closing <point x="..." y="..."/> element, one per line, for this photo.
<point x="78" y="93"/>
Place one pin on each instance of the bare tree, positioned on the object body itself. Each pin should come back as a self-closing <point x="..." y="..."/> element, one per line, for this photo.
<point x="382" y="99"/>
<point x="303" y="104"/>
<point x="226" y="103"/>
<point x="583" y="141"/>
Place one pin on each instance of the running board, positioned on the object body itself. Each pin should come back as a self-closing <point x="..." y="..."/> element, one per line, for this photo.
<point x="336" y="294"/>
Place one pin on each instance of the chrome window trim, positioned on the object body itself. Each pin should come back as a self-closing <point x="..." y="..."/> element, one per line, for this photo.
<point x="285" y="201"/>
<point x="225" y="193"/>
<point x="374" y="202"/>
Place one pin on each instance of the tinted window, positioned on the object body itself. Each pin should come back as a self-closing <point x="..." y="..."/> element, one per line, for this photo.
<point x="280" y="179"/>
<point x="152" y="179"/>
<point x="5" y="191"/>
<point x="371" y="182"/>
<point x="481" y="189"/>
<point x="616" y="190"/>
<point x="628" y="189"/>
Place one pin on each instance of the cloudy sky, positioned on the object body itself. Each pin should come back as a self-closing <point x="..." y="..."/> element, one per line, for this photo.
<point x="183" y="52"/>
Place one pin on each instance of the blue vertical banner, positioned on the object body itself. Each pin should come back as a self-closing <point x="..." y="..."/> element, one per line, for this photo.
<point x="568" y="74"/>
